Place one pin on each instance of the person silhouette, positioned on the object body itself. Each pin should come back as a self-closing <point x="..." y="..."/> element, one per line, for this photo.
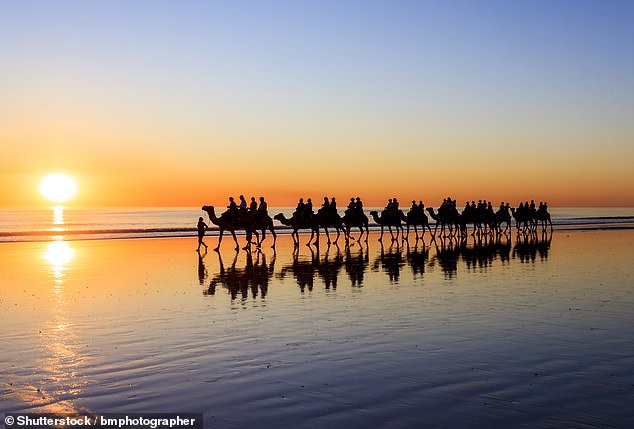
<point x="308" y="208"/>
<point x="263" y="207"/>
<point x="326" y="204"/>
<point x="202" y="227"/>
<point x="232" y="205"/>
<point x="358" y="206"/>
<point x="333" y="208"/>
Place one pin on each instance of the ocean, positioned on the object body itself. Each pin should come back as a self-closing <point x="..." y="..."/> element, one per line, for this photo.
<point x="110" y="223"/>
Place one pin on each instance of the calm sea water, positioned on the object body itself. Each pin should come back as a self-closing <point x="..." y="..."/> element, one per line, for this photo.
<point x="531" y="332"/>
<point x="73" y="224"/>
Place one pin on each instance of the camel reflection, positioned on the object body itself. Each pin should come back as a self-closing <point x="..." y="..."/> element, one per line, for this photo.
<point x="417" y="258"/>
<point x="254" y="277"/>
<point x="485" y="250"/>
<point x="478" y="252"/>
<point x="446" y="257"/>
<point x="324" y="267"/>
<point x="529" y="246"/>
<point x="390" y="262"/>
<point x="356" y="263"/>
<point x="305" y="269"/>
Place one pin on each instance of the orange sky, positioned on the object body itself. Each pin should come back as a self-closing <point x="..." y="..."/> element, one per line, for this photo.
<point x="473" y="104"/>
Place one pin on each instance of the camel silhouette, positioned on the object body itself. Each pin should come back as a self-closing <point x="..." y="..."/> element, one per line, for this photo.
<point x="325" y="220"/>
<point x="350" y="220"/>
<point x="543" y="217"/>
<point x="502" y="216"/>
<point x="523" y="218"/>
<point x="225" y="223"/>
<point x="262" y="223"/>
<point x="390" y="220"/>
<point x="450" y="221"/>
<point x="296" y="223"/>
<point x="415" y="218"/>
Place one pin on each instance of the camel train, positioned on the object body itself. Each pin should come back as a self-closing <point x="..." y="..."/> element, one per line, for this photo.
<point x="255" y="220"/>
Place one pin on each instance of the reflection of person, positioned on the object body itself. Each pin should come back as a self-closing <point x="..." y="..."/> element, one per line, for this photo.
<point x="202" y="270"/>
<point x="202" y="227"/>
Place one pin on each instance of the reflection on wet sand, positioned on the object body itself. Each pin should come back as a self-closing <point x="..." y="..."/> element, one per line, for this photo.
<point x="528" y="247"/>
<point x="323" y="266"/>
<point x="390" y="262"/>
<point x="60" y="358"/>
<point x="304" y="270"/>
<point x="238" y="281"/>
<point x="356" y="263"/>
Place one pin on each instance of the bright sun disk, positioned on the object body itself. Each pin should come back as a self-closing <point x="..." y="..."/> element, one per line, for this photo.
<point x="58" y="188"/>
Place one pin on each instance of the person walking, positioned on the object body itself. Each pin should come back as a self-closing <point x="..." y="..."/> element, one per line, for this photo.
<point x="202" y="227"/>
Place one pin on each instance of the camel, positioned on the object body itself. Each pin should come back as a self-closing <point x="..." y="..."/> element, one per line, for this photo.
<point x="542" y="216"/>
<point x="262" y="223"/>
<point x="448" y="220"/>
<point x="523" y="218"/>
<point x="324" y="220"/>
<point x="296" y="224"/>
<point x="502" y="216"/>
<point x="389" y="220"/>
<point x="415" y="218"/>
<point x="225" y="224"/>
<point x="349" y="220"/>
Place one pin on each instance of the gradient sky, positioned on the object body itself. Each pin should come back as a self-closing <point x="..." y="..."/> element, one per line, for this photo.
<point x="180" y="103"/>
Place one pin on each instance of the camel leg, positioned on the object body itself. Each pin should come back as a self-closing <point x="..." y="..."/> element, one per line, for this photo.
<point x="381" y="236"/>
<point x="248" y="243"/>
<point x="327" y="235"/>
<point x="295" y="236"/>
<point x="257" y="239"/>
<point x="389" y="227"/>
<point x="219" y="239"/>
<point x="263" y="237"/>
<point x="338" y="234"/>
<point x="235" y="239"/>
<point x="274" y="237"/>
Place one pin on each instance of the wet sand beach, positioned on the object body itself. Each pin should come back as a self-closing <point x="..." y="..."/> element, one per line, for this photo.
<point x="510" y="333"/>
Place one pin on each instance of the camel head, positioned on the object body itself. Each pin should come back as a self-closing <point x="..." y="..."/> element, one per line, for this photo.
<point x="208" y="208"/>
<point x="281" y="218"/>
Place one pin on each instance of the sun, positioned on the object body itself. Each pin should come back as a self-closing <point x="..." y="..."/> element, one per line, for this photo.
<point x="58" y="188"/>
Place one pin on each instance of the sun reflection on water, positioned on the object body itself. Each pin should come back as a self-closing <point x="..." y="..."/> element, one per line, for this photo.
<point x="60" y="364"/>
<point x="59" y="253"/>
<point x="58" y="219"/>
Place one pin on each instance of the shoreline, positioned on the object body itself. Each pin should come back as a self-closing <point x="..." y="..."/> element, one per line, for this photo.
<point x="154" y="233"/>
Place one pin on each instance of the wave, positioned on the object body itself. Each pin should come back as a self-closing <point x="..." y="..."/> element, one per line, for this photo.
<point x="38" y="225"/>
